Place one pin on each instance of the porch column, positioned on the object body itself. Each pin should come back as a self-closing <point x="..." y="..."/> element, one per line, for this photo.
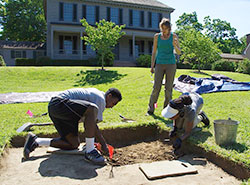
<point x="51" y="42"/>
<point x="133" y="45"/>
<point x="80" y="41"/>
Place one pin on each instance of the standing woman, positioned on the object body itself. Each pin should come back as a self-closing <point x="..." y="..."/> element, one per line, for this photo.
<point x="163" y="63"/>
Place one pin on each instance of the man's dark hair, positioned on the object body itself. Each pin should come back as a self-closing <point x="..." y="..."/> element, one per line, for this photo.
<point x="115" y="93"/>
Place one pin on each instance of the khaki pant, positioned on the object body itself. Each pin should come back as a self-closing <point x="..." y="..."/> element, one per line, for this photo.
<point x="160" y="70"/>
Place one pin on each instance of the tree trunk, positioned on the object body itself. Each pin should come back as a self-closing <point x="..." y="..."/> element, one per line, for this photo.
<point x="199" y="68"/>
<point x="102" y="61"/>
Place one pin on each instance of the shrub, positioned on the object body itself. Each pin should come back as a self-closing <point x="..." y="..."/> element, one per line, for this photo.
<point x="223" y="65"/>
<point x="244" y="66"/>
<point x="144" y="60"/>
<point x="2" y="62"/>
<point x="46" y="61"/>
<point x="43" y="61"/>
<point x="25" y="62"/>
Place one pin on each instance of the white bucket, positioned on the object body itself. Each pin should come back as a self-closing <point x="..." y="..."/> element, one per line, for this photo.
<point x="225" y="131"/>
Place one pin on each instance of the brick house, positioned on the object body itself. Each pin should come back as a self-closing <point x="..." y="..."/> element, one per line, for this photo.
<point x="64" y="29"/>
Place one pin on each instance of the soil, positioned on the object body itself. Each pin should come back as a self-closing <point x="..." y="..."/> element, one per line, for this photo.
<point x="51" y="169"/>
<point x="142" y="153"/>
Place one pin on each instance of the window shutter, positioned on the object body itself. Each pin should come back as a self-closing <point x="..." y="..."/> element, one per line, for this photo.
<point x="150" y="45"/>
<point x="84" y="11"/>
<point x="131" y="47"/>
<point x="34" y="54"/>
<point x="142" y="46"/>
<point x="74" y="44"/>
<point x="160" y="17"/>
<point x="108" y="13"/>
<point x="150" y="19"/>
<point x="74" y="12"/>
<point x="61" y="12"/>
<point x="60" y="44"/>
<point x="120" y="16"/>
<point x="130" y="17"/>
<point x="142" y="18"/>
<point x="12" y="53"/>
<point x="24" y="54"/>
<point x="97" y="14"/>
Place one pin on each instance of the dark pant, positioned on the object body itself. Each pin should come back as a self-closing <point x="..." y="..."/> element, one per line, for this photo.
<point x="160" y="70"/>
<point x="66" y="113"/>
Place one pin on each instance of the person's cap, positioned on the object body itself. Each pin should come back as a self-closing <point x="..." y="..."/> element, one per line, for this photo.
<point x="169" y="112"/>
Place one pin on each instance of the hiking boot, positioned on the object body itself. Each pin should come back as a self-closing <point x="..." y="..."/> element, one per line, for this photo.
<point x="149" y="113"/>
<point x="205" y="119"/>
<point x="95" y="157"/>
<point x="30" y="145"/>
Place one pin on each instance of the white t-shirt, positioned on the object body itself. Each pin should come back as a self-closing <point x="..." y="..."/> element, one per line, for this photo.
<point x="92" y="95"/>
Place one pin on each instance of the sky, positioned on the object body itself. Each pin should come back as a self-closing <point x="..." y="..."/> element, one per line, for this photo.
<point x="236" y="12"/>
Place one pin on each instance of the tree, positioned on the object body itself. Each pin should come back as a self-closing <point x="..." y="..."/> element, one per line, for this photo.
<point x="197" y="48"/>
<point x="22" y="20"/>
<point x="223" y="34"/>
<point x="103" y="37"/>
<point x="189" y="20"/>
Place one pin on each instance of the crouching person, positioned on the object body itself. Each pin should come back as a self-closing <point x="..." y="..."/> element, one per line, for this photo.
<point x="70" y="108"/>
<point x="186" y="113"/>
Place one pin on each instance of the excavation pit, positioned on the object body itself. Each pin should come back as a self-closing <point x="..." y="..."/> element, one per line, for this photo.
<point x="133" y="146"/>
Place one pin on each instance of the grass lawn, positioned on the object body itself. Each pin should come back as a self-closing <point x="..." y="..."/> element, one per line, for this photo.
<point x="135" y="85"/>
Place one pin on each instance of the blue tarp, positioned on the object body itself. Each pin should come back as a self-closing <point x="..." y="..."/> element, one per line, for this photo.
<point x="186" y="83"/>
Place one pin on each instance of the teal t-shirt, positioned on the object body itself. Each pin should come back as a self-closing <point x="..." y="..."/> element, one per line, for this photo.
<point x="165" y="51"/>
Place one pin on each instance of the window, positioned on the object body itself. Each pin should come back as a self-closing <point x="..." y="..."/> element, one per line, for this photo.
<point x="68" y="12"/>
<point x="90" y="16"/>
<point x="18" y="54"/>
<point x="139" y="47"/>
<point x="68" y="44"/>
<point x="136" y="18"/>
<point x="155" y="20"/>
<point x="114" y="15"/>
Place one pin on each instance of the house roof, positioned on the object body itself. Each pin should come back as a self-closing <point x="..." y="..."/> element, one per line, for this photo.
<point x="150" y="3"/>
<point x="21" y="45"/>
<point x="232" y="56"/>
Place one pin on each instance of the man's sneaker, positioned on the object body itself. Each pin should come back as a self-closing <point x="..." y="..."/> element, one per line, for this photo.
<point x="205" y="119"/>
<point x="95" y="157"/>
<point x="30" y="145"/>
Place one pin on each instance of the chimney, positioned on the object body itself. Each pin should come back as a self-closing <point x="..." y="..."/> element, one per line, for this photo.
<point x="248" y="38"/>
